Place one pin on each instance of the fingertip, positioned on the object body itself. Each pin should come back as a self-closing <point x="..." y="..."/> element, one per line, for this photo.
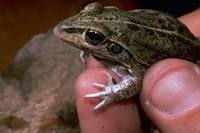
<point x="192" y="20"/>
<point x="117" y="117"/>
<point x="171" y="90"/>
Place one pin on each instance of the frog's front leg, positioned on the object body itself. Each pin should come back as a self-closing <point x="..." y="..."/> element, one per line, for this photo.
<point x="113" y="92"/>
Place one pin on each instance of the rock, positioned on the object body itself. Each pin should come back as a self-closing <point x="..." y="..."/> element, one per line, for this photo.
<point x="37" y="88"/>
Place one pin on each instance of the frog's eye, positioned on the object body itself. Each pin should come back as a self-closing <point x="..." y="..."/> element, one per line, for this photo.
<point x="94" y="37"/>
<point x="116" y="49"/>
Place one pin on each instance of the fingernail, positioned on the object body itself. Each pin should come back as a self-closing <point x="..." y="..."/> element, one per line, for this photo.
<point x="177" y="91"/>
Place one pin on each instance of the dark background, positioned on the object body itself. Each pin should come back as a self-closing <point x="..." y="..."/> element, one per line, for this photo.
<point x="20" y="20"/>
<point x="174" y="7"/>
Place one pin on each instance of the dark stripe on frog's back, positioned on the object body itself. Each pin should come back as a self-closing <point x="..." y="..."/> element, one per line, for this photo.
<point x="158" y="20"/>
<point x="174" y="46"/>
<point x="182" y="45"/>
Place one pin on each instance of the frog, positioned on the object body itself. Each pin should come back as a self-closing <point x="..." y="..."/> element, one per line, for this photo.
<point x="128" y="42"/>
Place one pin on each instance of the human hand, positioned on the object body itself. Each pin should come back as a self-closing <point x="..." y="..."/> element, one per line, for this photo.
<point x="170" y="96"/>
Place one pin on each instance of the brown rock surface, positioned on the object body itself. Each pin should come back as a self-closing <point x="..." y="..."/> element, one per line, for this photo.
<point x="37" y="88"/>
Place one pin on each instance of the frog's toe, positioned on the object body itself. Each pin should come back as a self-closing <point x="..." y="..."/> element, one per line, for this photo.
<point x="101" y="86"/>
<point x="102" y="104"/>
<point x="110" y="78"/>
<point x="107" y="96"/>
<point x="97" y="95"/>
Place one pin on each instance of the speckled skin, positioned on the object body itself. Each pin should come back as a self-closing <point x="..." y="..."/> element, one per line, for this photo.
<point x="146" y="37"/>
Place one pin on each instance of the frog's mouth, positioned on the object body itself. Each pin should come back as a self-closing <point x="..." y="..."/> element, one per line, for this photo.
<point x="109" y="61"/>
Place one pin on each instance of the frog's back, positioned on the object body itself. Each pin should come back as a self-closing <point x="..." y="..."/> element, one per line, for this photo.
<point x="163" y="33"/>
<point x="158" y="20"/>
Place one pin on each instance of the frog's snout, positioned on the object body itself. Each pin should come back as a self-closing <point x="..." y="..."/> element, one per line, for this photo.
<point x="56" y="31"/>
<point x="60" y="28"/>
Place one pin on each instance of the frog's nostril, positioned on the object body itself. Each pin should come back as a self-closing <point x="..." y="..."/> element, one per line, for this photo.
<point x="64" y="28"/>
<point x="68" y="29"/>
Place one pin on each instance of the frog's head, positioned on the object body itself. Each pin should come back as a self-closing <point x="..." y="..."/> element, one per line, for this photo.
<point x="98" y="31"/>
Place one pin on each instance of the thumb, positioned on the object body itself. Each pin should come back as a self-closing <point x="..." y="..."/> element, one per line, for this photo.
<point x="171" y="96"/>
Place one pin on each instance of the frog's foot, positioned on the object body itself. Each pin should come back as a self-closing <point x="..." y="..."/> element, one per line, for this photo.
<point x="113" y="92"/>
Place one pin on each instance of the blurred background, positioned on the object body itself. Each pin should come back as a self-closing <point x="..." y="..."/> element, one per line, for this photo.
<point x="20" y="20"/>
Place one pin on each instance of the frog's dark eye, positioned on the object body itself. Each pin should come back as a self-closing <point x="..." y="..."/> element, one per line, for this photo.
<point x="116" y="49"/>
<point x="94" y="37"/>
